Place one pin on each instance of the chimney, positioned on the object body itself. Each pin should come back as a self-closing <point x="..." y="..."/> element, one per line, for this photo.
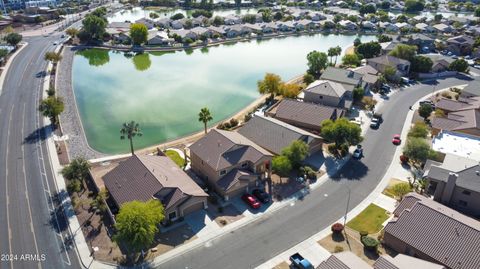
<point x="450" y="186"/>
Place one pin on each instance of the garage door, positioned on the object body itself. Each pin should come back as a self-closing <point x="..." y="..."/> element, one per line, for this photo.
<point x="193" y="208"/>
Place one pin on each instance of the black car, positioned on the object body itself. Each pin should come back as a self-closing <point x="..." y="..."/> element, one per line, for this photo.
<point x="261" y="195"/>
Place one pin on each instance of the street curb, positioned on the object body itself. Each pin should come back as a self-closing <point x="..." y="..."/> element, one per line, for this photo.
<point x="7" y="65"/>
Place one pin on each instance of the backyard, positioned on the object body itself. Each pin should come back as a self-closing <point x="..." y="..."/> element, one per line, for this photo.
<point x="175" y="156"/>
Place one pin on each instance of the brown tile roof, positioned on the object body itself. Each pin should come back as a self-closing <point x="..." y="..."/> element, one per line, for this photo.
<point x="437" y="231"/>
<point x="460" y="120"/>
<point x="388" y="60"/>
<point x="454" y="105"/>
<point x="344" y="260"/>
<point x="326" y="88"/>
<point x="233" y="177"/>
<point x="402" y="261"/>
<point x="223" y="149"/>
<point x="143" y="177"/>
<point x="307" y="113"/>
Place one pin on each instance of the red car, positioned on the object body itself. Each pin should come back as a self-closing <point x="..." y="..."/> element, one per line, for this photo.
<point x="251" y="201"/>
<point x="396" y="139"/>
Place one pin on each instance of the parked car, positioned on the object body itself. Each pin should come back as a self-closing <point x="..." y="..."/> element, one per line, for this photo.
<point x="375" y="123"/>
<point x="405" y="80"/>
<point x="298" y="261"/>
<point x="261" y="195"/>
<point x="251" y="201"/>
<point x="396" y="140"/>
<point x="358" y="152"/>
<point x="55" y="43"/>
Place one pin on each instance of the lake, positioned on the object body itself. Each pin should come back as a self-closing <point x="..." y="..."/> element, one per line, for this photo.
<point x="165" y="91"/>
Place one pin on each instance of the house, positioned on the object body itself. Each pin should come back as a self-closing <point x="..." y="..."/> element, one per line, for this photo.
<point x="428" y="230"/>
<point x="462" y="121"/>
<point x="347" y="25"/>
<point x="176" y="24"/>
<point x="216" y="30"/>
<point x="388" y="27"/>
<point x="236" y="30"/>
<point x="201" y="31"/>
<point x="269" y="27"/>
<point x="368" y="25"/>
<point x="254" y="28"/>
<point x="425" y="28"/>
<point x="304" y="115"/>
<point x="471" y="90"/>
<point x="231" y="163"/>
<point x="232" y="19"/>
<point x="440" y="62"/>
<point x="305" y="24"/>
<point x="146" y="177"/>
<point x="286" y="26"/>
<point x="348" y="78"/>
<point x="443" y="28"/>
<point x="328" y="93"/>
<point x="370" y="76"/>
<point x="460" y="45"/>
<point x="348" y="260"/>
<point x="388" y="46"/>
<point x="147" y="22"/>
<point x="455" y="182"/>
<point x="275" y="135"/>
<point x="185" y="34"/>
<point x="159" y="38"/>
<point x="382" y="62"/>
<point x="403" y="26"/>
<point x="164" y="23"/>
<point x="423" y="42"/>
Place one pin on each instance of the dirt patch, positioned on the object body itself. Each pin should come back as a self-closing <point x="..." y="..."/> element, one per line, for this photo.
<point x="352" y="243"/>
<point x="225" y="216"/>
<point x="283" y="265"/>
<point x="62" y="152"/>
<point x="283" y="187"/>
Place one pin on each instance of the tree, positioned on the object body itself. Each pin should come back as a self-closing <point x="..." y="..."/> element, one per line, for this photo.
<point x="438" y="17"/>
<point x="337" y="52"/>
<point x="271" y="84"/>
<point x="129" y="131"/>
<point x="153" y="15"/>
<point x="419" y="129"/>
<point x="477" y="12"/>
<point x="177" y="16"/>
<point x="217" y="21"/>
<point x="137" y="224"/>
<point x="205" y="116"/>
<point x="401" y="189"/>
<point x="366" y="9"/>
<point x="53" y="56"/>
<point x="459" y="65"/>
<point x="307" y="79"/>
<point x="331" y="52"/>
<point x="414" y="6"/>
<point x="369" y="102"/>
<point x="425" y="110"/>
<point x="421" y="64"/>
<point x="317" y="61"/>
<point x="290" y="90"/>
<point x="351" y="60"/>
<point x="384" y="38"/>
<point x="296" y="152"/>
<point x="281" y="165"/>
<point x="52" y="107"/>
<point x="249" y="18"/>
<point x="403" y="51"/>
<point x="390" y="73"/>
<point x="358" y="93"/>
<point x="369" y="50"/>
<point x="94" y="27"/>
<point x="341" y="132"/>
<point x="385" y="5"/>
<point x="77" y="169"/>
<point x="72" y="32"/>
<point x="138" y="33"/>
<point x="357" y="42"/>
<point x="3" y="53"/>
<point x="13" y="39"/>
<point x="417" y="149"/>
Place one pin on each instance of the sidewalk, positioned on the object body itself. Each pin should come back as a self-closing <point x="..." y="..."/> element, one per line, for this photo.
<point x="309" y="248"/>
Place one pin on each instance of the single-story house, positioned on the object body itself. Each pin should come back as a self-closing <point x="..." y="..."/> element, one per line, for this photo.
<point x="328" y="93"/>
<point x="460" y="45"/>
<point x="382" y="62"/>
<point x="159" y="38"/>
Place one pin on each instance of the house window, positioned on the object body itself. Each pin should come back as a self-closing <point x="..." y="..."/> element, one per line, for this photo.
<point x="223" y="172"/>
<point x="172" y="215"/>
<point x="466" y="192"/>
<point x="462" y="203"/>
<point x="244" y="165"/>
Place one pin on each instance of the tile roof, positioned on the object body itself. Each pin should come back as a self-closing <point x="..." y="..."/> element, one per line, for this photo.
<point x="402" y="261"/>
<point x="274" y="135"/>
<point x="306" y="113"/>
<point x="472" y="88"/>
<point x="460" y="120"/>
<point x="454" y="105"/>
<point x="388" y="60"/>
<point x="462" y="39"/>
<point x="340" y="75"/>
<point x="233" y="177"/>
<point x="327" y="88"/>
<point x="437" y="231"/>
<point x="344" y="260"/>
<point x="223" y="149"/>
<point x="142" y="177"/>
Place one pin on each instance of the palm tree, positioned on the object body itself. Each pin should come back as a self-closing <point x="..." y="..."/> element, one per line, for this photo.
<point x="331" y="52"/>
<point x="130" y="130"/>
<point x="338" y="52"/>
<point x="205" y="116"/>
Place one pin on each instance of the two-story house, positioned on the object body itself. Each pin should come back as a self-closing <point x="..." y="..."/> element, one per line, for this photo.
<point x="348" y="78"/>
<point x="381" y="63"/>
<point x="229" y="162"/>
<point x="329" y="93"/>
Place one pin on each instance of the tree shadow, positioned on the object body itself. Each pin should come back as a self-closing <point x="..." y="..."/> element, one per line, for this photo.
<point x="353" y="170"/>
<point x="38" y="135"/>
<point x="338" y="237"/>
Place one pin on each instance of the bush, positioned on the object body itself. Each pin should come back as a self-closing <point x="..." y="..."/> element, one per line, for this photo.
<point x="363" y="233"/>
<point x="369" y="242"/>
<point x="338" y="249"/>
<point x="233" y="122"/>
<point x="332" y="149"/>
<point x="307" y="79"/>
<point x="74" y="186"/>
<point x="337" y="228"/>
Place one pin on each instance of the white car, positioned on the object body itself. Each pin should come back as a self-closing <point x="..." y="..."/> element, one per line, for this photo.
<point x="55" y="43"/>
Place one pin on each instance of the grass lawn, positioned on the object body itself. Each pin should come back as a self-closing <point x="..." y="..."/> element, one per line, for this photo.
<point x="388" y="190"/>
<point x="172" y="154"/>
<point x="369" y="220"/>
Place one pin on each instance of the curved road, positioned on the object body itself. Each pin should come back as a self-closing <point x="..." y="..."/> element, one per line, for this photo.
<point x="32" y="236"/>
<point x="270" y="235"/>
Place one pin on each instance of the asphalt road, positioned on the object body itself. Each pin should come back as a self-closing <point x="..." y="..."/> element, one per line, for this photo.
<point x="32" y="235"/>
<point x="270" y="235"/>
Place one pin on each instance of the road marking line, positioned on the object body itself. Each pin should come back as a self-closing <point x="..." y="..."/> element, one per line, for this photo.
<point x="6" y="187"/>
<point x="26" y="186"/>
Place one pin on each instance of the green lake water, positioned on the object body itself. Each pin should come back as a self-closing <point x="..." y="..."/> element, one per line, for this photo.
<point x="165" y="91"/>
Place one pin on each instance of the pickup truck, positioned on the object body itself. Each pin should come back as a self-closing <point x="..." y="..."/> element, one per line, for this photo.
<point x="300" y="262"/>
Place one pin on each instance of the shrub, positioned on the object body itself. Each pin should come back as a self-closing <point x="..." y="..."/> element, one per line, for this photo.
<point x="338" y="249"/>
<point x="223" y="222"/>
<point x="74" y="186"/>
<point x="233" y="122"/>
<point x="369" y="242"/>
<point x="307" y="79"/>
<point x="363" y="233"/>
<point x="332" y="149"/>
<point x="337" y="228"/>
<point x="445" y="94"/>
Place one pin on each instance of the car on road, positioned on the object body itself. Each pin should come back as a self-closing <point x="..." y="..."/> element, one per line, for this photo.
<point x="298" y="261"/>
<point x="251" y="201"/>
<point x="261" y="195"/>
<point x="63" y="36"/>
<point x="396" y="140"/>
<point x="55" y="43"/>
<point x="375" y="123"/>
<point x="358" y="153"/>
